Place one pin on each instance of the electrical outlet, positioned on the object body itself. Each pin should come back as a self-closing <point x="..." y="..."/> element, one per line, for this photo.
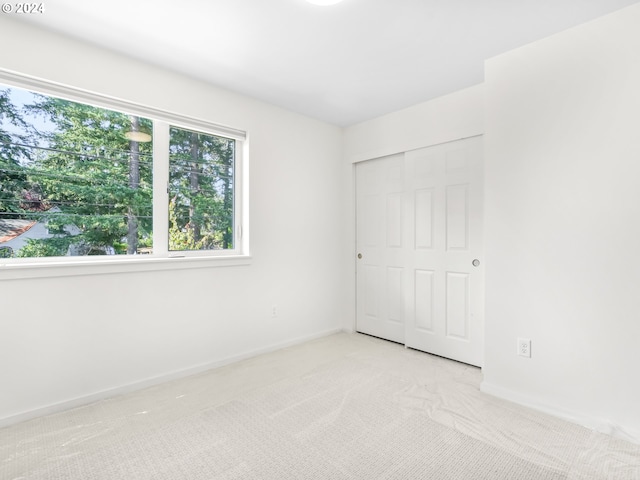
<point x="524" y="347"/>
<point x="274" y="310"/>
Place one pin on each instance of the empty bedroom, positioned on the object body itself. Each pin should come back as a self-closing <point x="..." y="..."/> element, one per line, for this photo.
<point x="320" y="239"/>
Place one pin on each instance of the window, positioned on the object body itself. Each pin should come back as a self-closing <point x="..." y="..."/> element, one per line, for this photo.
<point x="79" y="180"/>
<point x="200" y="191"/>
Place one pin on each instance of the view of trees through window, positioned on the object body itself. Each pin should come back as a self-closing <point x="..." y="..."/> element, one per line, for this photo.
<point x="200" y="191"/>
<point x="77" y="180"/>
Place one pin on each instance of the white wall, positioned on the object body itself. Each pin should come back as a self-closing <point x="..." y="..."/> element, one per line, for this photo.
<point x="450" y="117"/>
<point x="71" y="337"/>
<point x="563" y="223"/>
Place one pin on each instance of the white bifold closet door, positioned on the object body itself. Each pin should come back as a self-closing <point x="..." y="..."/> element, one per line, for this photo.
<point x="420" y="274"/>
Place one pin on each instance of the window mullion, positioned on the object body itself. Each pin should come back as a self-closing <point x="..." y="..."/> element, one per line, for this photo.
<point x="160" y="188"/>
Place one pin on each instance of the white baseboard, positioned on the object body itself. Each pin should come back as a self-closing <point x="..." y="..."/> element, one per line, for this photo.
<point x="598" y="424"/>
<point x="112" y="392"/>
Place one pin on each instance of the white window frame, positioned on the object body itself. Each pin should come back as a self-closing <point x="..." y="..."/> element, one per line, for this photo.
<point x="161" y="258"/>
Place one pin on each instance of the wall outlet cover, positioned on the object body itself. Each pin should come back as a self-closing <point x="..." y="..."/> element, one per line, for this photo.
<point x="524" y="347"/>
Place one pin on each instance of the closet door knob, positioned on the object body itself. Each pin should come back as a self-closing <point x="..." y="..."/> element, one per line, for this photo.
<point x="475" y="262"/>
<point x="359" y="256"/>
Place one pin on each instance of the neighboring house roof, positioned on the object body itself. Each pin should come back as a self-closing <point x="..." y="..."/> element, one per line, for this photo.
<point x="11" y="228"/>
<point x="16" y="233"/>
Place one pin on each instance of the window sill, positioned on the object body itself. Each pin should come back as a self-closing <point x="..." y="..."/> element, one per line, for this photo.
<point x="20" y="270"/>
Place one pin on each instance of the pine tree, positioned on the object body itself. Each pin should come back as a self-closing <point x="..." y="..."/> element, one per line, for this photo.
<point x="91" y="183"/>
<point x="14" y="194"/>
<point x="201" y="191"/>
<point x="97" y="180"/>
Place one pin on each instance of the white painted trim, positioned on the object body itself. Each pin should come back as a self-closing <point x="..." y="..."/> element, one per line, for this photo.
<point x="394" y="151"/>
<point x="108" y="264"/>
<point x="601" y="425"/>
<point x="131" y="387"/>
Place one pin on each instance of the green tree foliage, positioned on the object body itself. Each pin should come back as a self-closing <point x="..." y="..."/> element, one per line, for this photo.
<point x="85" y="173"/>
<point x="13" y="177"/>
<point x="71" y="166"/>
<point x="201" y="191"/>
<point x="48" y="247"/>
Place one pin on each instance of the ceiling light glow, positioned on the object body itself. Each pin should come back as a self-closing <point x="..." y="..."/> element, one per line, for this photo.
<point x="324" y="2"/>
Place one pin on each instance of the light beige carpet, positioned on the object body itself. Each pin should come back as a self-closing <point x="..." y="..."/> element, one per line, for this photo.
<point x="345" y="407"/>
<point x="330" y="425"/>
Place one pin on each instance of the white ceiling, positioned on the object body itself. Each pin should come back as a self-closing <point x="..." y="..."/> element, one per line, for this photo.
<point x="343" y="63"/>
